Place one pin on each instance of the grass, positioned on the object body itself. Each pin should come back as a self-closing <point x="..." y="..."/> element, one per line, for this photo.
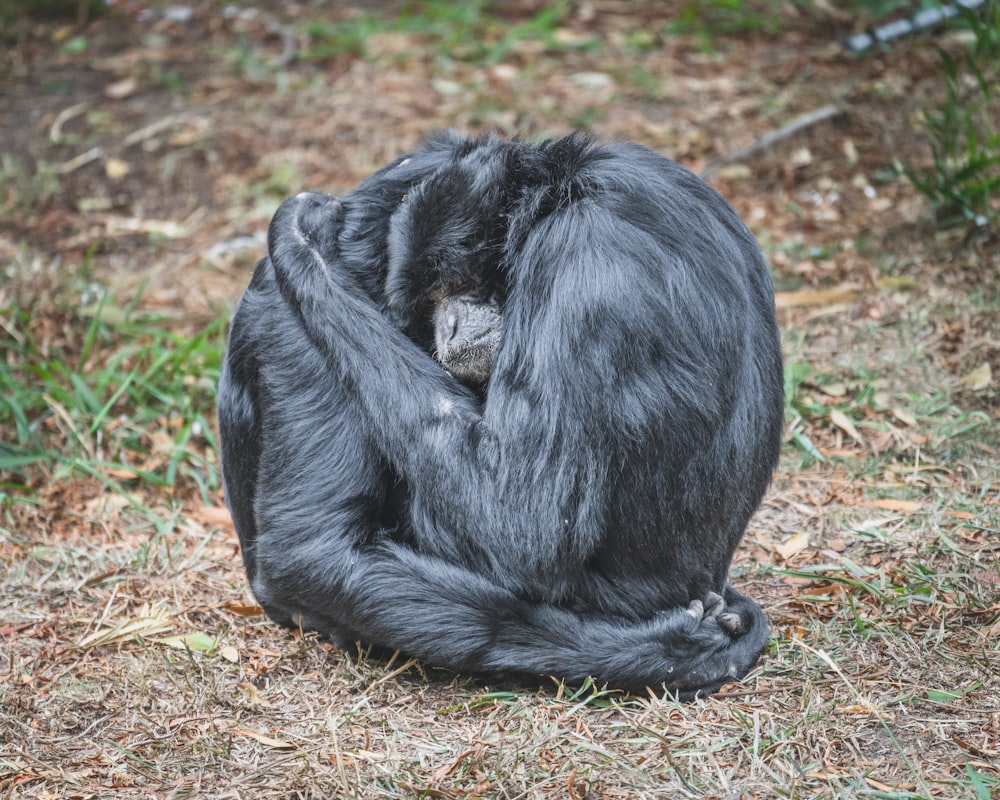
<point x="134" y="662"/>
<point x="470" y="32"/>
<point x="963" y="181"/>
<point x="107" y="390"/>
<point x="880" y="681"/>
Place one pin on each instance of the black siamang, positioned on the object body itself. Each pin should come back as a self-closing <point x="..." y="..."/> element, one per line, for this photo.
<point x="562" y="490"/>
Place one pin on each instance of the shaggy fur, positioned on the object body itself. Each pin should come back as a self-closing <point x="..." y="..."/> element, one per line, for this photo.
<point x="562" y="520"/>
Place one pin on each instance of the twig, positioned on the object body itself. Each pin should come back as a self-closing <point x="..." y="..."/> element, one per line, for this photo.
<point x="64" y="116"/>
<point x="149" y="131"/>
<point x="768" y="140"/>
<point x="81" y="160"/>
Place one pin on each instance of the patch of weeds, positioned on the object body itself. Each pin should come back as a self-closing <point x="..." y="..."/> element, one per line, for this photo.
<point x="343" y="37"/>
<point x="76" y="45"/>
<point x="877" y="10"/>
<point x="467" y="31"/>
<point x="541" y="27"/>
<point x="23" y="188"/>
<point x="707" y="20"/>
<point x="451" y="25"/>
<point x="798" y="409"/>
<point x="108" y="391"/>
<point x="984" y="785"/>
<point x="963" y="182"/>
<point x="16" y="16"/>
<point x="280" y="181"/>
<point x="858" y="411"/>
<point x="652" y="87"/>
<point x="928" y="604"/>
<point x="169" y="79"/>
<point x="585" y="119"/>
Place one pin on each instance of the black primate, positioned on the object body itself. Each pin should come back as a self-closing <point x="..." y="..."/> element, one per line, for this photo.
<point x="573" y="510"/>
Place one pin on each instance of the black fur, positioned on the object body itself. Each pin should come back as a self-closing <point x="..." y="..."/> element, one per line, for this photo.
<point x="562" y="522"/>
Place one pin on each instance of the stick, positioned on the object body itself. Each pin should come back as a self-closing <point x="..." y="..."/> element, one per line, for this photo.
<point x="768" y="140"/>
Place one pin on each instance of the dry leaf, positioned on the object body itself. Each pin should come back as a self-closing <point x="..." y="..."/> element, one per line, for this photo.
<point x="796" y="543"/>
<point x="734" y="172"/>
<point x="253" y="695"/>
<point x="851" y="153"/>
<point x="230" y="654"/>
<point x="116" y="168"/>
<point x="840" y="419"/>
<point x="814" y="297"/>
<point x="802" y="157"/>
<point x="857" y="710"/>
<point x="215" y="516"/>
<point x="119" y="90"/>
<point x="445" y="770"/>
<point x="267" y="741"/>
<point x="106" y="503"/>
<point x="979" y="379"/>
<point x="140" y="626"/>
<point x="891" y="504"/>
<point x="905" y="417"/>
<point x="122" y="473"/>
<point x="244" y="610"/>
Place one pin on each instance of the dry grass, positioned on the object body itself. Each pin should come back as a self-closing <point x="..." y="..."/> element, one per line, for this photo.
<point x="890" y="688"/>
<point x="132" y="662"/>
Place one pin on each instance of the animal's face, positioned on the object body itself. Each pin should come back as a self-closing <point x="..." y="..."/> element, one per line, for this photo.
<point x="467" y="334"/>
<point x="446" y="285"/>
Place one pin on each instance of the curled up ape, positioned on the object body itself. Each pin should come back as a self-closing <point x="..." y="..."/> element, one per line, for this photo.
<point x="561" y="491"/>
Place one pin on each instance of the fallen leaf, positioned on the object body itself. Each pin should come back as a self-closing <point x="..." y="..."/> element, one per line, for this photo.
<point x="267" y="741"/>
<point x="7" y="630"/>
<point x="839" y="418"/>
<point x="814" y="297"/>
<point x="801" y="157"/>
<point x="119" y="90"/>
<point x="199" y="642"/>
<point x="850" y="151"/>
<point x="445" y="770"/>
<point x="857" y="710"/>
<point x="254" y="695"/>
<point x="106" y="503"/>
<point x="230" y="654"/>
<point x="217" y="516"/>
<point x="140" y="626"/>
<point x="891" y="504"/>
<point x="734" y="172"/>
<point x="244" y="610"/>
<point x="979" y="379"/>
<point x="796" y="543"/>
<point x="837" y="452"/>
<point x="905" y="417"/>
<point x="116" y="168"/>
<point x="123" y="473"/>
<point x="167" y="228"/>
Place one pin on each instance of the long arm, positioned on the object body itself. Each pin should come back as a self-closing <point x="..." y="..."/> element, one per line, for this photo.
<point x="564" y="524"/>
<point x="614" y="419"/>
<point x="325" y="555"/>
